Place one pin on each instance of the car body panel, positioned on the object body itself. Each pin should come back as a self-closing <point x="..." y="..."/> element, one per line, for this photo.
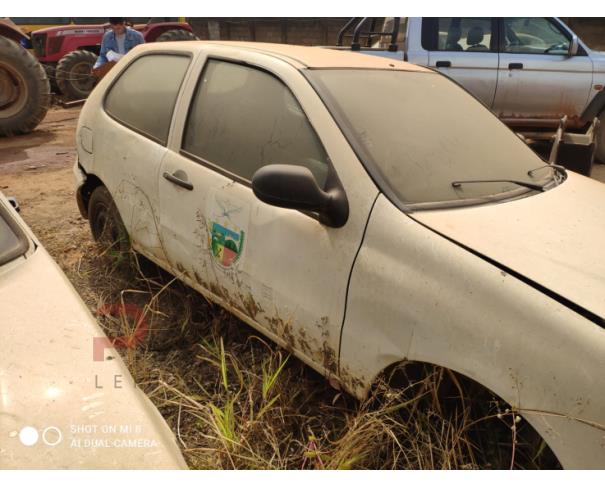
<point x="542" y="237"/>
<point x="135" y="168"/>
<point x="549" y="86"/>
<point x="280" y="286"/>
<point x="424" y="299"/>
<point x="50" y="382"/>
<point x="476" y="71"/>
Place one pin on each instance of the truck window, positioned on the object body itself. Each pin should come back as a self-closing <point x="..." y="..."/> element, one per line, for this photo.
<point x="243" y="118"/>
<point x="474" y="34"/>
<point x="534" y="35"/>
<point x="144" y="94"/>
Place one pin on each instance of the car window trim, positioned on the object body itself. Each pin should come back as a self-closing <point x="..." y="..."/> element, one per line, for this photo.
<point x="215" y="166"/>
<point x="24" y="242"/>
<point x="121" y="73"/>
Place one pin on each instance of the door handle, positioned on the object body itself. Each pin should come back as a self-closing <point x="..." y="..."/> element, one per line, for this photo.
<point x="443" y="64"/>
<point x="173" y="178"/>
<point x="515" y="65"/>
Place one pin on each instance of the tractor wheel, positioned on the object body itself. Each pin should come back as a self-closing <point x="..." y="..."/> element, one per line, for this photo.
<point x="24" y="90"/>
<point x="73" y="73"/>
<point x="51" y="73"/>
<point x="177" y="35"/>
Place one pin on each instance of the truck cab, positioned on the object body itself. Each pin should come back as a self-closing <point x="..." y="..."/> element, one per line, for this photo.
<point x="530" y="71"/>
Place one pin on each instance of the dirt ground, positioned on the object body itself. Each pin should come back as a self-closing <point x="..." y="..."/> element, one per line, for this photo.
<point x="306" y="424"/>
<point x="36" y="169"/>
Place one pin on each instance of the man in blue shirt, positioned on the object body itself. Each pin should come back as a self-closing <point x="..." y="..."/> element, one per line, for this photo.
<point x="117" y="41"/>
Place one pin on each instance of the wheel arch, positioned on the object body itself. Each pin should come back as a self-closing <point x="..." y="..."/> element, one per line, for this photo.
<point x="84" y="192"/>
<point x="462" y="382"/>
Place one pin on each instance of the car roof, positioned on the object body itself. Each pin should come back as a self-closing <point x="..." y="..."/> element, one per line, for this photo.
<point x="305" y="56"/>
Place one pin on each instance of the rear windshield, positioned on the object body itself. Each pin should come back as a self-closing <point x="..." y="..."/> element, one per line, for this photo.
<point x="13" y="243"/>
<point x="419" y="132"/>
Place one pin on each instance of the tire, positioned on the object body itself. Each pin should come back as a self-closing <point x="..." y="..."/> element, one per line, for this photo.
<point x="24" y="90"/>
<point x="177" y="35"/>
<point x="600" y="153"/>
<point x="73" y="73"/>
<point x="106" y="225"/>
<point x="51" y="73"/>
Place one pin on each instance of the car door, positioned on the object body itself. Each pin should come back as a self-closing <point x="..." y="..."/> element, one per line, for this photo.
<point x="128" y="151"/>
<point x="464" y="49"/>
<point x="536" y="76"/>
<point x="281" y="270"/>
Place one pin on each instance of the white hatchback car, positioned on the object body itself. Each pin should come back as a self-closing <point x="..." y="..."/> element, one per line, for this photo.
<point x="361" y="212"/>
<point x="60" y="407"/>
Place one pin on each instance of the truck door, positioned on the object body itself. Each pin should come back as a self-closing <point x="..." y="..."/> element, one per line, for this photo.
<point x="536" y="76"/>
<point x="466" y="50"/>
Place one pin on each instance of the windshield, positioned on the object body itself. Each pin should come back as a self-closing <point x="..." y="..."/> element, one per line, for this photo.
<point x="417" y="133"/>
<point x="13" y="242"/>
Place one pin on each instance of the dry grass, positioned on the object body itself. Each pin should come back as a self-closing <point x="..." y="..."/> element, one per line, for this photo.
<point x="236" y="401"/>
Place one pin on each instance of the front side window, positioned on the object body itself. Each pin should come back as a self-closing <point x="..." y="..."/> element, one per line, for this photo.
<point x="534" y="35"/>
<point x="418" y="134"/>
<point x="456" y="34"/>
<point x="144" y="95"/>
<point x="243" y="118"/>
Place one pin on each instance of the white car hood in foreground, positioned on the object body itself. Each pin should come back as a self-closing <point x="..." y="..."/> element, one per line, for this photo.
<point x="556" y="238"/>
<point x="58" y="407"/>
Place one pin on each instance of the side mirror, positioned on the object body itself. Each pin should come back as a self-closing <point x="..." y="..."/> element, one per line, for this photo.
<point x="14" y="203"/>
<point x="573" y="46"/>
<point x="294" y="187"/>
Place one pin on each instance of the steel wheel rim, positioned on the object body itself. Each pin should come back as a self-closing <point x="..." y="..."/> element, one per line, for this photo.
<point x="80" y="77"/>
<point x="13" y="91"/>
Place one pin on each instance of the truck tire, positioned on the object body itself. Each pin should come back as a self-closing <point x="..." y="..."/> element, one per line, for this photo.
<point x="24" y="90"/>
<point x="73" y="73"/>
<point x="600" y="153"/>
<point x="177" y="35"/>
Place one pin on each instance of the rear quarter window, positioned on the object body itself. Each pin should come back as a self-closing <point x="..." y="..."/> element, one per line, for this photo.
<point x="13" y="242"/>
<point x="144" y="94"/>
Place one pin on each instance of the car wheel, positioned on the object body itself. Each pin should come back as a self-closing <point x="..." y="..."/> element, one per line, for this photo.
<point x="105" y="222"/>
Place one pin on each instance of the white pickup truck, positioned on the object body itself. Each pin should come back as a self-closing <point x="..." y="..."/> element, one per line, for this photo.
<point x="530" y="71"/>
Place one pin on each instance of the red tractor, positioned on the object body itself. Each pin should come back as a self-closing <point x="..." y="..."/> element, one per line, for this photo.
<point x="69" y="52"/>
<point x="24" y="89"/>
